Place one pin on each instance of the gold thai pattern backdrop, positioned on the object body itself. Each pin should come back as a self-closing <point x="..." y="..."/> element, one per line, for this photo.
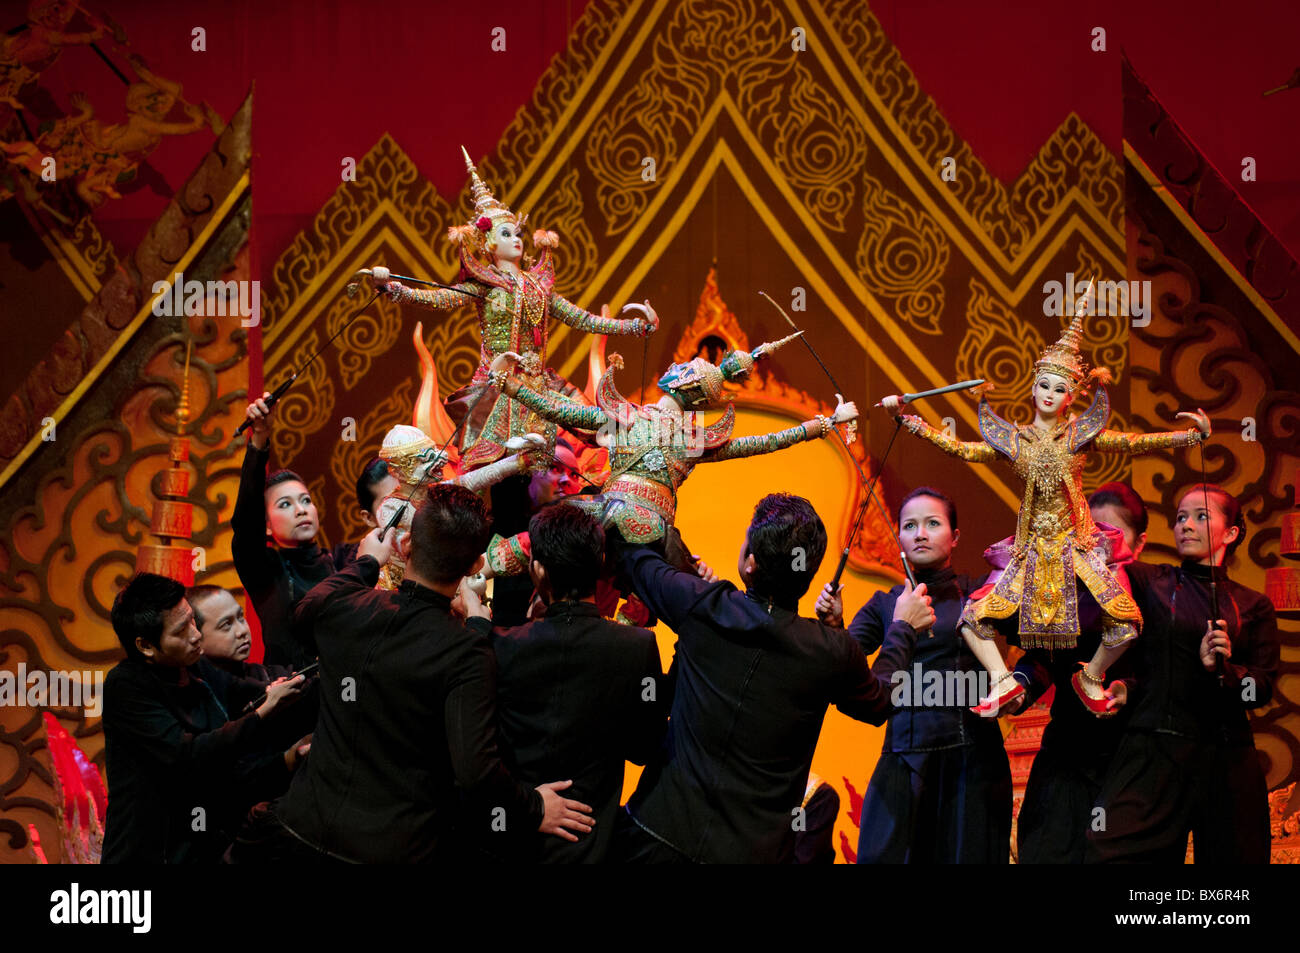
<point x="689" y="152"/>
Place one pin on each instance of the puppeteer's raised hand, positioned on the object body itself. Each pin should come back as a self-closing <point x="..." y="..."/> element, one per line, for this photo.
<point x="914" y="608"/>
<point x="371" y="546"/>
<point x="294" y="755"/>
<point x="1215" y="642"/>
<point x="467" y="604"/>
<point x="280" y="692"/>
<point x="703" y="570"/>
<point x="259" y="417"/>
<point x="1116" y="698"/>
<point x="830" y="606"/>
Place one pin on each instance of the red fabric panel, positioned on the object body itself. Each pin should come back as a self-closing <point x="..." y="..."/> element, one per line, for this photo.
<point x="331" y="77"/>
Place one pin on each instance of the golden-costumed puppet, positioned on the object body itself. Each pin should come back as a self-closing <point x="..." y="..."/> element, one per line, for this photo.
<point x="514" y="303"/>
<point x="1056" y="541"/>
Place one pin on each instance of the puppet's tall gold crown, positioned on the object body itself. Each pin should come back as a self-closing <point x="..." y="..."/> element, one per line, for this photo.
<point x="1064" y="358"/>
<point x="488" y="212"/>
<point x="486" y="205"/>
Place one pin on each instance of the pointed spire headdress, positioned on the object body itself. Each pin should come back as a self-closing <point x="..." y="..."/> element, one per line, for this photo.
<point x="1065" y="359"/>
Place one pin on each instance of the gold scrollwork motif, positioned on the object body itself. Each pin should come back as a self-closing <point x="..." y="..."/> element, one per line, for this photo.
<point x="681" y="61"/>
<point x="1199" y="351"/>
<point x="883" y="70"/>
<point x="1073" y="157"/>
<point x="902" y="255"/>
<point x="66" y="552"/>
<point x="384" y="174"/>
<point x="637" y="130"/>
<point x="366" y="338"/>
<point x="741" y="41"/>
<point x="1001" y="347"/>
<point x="561" y="211"/>
<point x="94" y="247"/>
<point x="454" y="344"/>
<point x="305" y="408"/>
<point x="811" y="144"/>
<point x="704" y="46"/>
<point x="526" y="135"/>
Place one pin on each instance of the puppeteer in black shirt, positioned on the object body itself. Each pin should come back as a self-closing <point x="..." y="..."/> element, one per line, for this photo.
<point x="274" y="577"/>
<point x="171" y="750"/>
<point x="1173" y="693"/>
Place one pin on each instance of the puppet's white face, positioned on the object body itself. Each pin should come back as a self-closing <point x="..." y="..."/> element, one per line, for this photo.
<point x="507" y="243"/>
<point x="1052" y="395"/>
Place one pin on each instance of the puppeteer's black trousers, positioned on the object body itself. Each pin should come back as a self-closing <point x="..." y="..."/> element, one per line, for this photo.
<point x="1060" y="797"/>
<point x="951" y="806"/>
<point x="1161" y="787"/>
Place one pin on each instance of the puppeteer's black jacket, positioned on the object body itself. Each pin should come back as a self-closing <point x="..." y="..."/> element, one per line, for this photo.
<point x="578" y="695"/>
<point x="407" y="727"/>
<point x="753" y="681"/>
<point x="1173" y="693"/>
<point x="181" y="774"/>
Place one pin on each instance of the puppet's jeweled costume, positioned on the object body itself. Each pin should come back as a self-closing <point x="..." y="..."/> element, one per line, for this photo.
<point x="513" y="315"/>
<point x="653" y="451"/>
<point x="1056" y="539"/>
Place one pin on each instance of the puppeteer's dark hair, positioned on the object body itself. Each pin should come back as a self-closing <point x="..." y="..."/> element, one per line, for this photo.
<point x="1229" y="506"/>
<point x="1123" y="496"/>
<point x="195" y="596"/>
<point x="570" y="545"/>
<point x="933" y="494"/>
<point x="374" y="473"/>
<point x="139" y="609"/>
<point x="787" y="540"/>
<point x="449" y="532"/>
<point x="283" y="476"/>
